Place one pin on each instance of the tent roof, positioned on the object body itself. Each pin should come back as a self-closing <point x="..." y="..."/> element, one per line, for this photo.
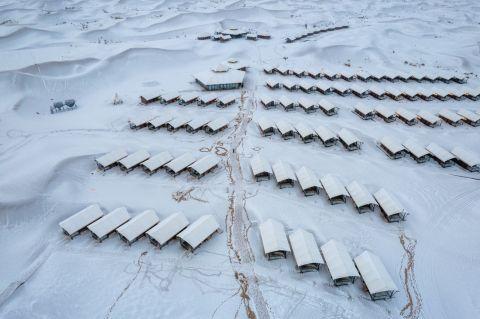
<point x="168" y="228"/>
<point x="338" y="260"/>
<point x="112" y="157"/>
<point x="260" y="165"/>
<point x="388" y="203"/>
<point x="199" y="230"/>
<point x="273" y="236"/>
<point x="466" y="156"/>
<point x="282" y="172"/>
<point x="333" y="187"/>
<point x="439" y="152"/>
<point x="205" y="163"/>
<point x="307" y="178"/>
<point x="158" y="160"/>
<point x="348" y="137"/>
<point x="392" y="144"/>
<point x="304" y="248"/>
<point x="212" y="78"/>
<point x="374" y="274"/>
<point x="135" y="158"/>
<point x="359" y="194"/>
<point x="139" y="224"/>
<point x="109" y="222"/>
<point x="81" y="219"/>
<point x="180" y="162"/>
<point x="415" y="148"/>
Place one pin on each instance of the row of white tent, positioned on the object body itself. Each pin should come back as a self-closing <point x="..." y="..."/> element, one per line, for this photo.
<point x="352" y="75"/>
<point x="411" y="94"/>
<point x="454" y="118"/>
<point x="187" y="98"/>
<point x="335" y="190"/>
<point x="464" y="158"/>
<point x="174" y="123"/>
<point x="152" y="164"/>
<point x="312" y="31"/>
<point x="308" y="257"/>
<point x="307" y="134"/>
<point x="146" y="223"/>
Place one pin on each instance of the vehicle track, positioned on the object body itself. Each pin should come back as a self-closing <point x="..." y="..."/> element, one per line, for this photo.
<point x="413" y="307"/>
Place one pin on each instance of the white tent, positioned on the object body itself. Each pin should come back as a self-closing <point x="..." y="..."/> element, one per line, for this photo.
<point x="199" y="231"/>
<point x="179" y="164"/>
<point x="305" y="250"/>
<point x="308" y="181"/>
<point x="133" y="160"/>
<point x="106" y="225"/>
<point x="283" y="174"/>
<point x="379" y="283"/>
<point x="390" y="206"/>
<point x="204" y="165"/>
<point x="417" y="151"/>
<point x="274" y="239"/>
<point x="327" y="137"/>
<point x="111" y="159"/>
<point x="156" y="162"/>
<point x="441" y="155"/>
<point x="362" y="198"/>
<point x="260" y="168"/>
<point x="466" y="159"/>
<point x="339" y="263"/>
<point x="167" y="229"/>
<point x="137" y="226"/>
<point x="349" y="140"/>
<point x="335" y="190"/>
<point x="73" y="225"/>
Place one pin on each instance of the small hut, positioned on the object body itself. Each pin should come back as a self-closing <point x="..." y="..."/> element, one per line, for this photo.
<point x="365" y="112"/>
<point x="106" y="225"/>
<point x="336" y="192"/>
<point x="392" y="147"/>
<point x="406" y="116"/>
<point x="198" y="232"/>
<point x="389" y="206"/>
<point x="136" y="227"/>
<point x="376" y="278"/>
<point x="308" y="181"/>
<point x="416" y="151"/>
<point x="252" y="36"/>
<point x="204" y="36"/>
<point x="226" y="100"/>
<point x="75" y="224"/>
<point x="307" y="105"/>
<point x="260" y="169"/>
<point x="129" y="163"/>
<point x="362" y="198"/>
<point x="441" y="155"/>
<point x="451" y="118"/>
<point x="266" y="127"/>
<point x="264" y="35"/>
<point x="203" y="166"/>
<point x="274" y="239"/>
<point x="305" y="251"/>
<point x="271" y="84"/>
<point x="429" y="119"/>
<point x="168" y="98"/>
<point x="339" y="263"/>
<point x="290" y="85"/>
<point x="327" y="137"/>
<point x="177" y="123"/>
<point x="150" y="99"/>
<point x="155" y="163"/>
<point x="349" y="140"/>
<point x="160" y="234"/>
<point x="268" y="102"/>
<point x="196" y="125"/>
<point x="283" y="174"/>
<point x="328" y="108"/>
<point x="285" y="129"/>
<point x="306" y="133"/>
<point x="385" y="113"/>
<point x="286" y="103"/>
<point x="469" y="117"/>
<point x="179" y="164"/>
<point x="140" y="121"/>
<point x="466" y="159"/>
<point x="110" y="160"/>
<point x="269" y="70"/>
<point x="187" y="98"/>
<point x="207" y="99"/>
<point x="159" y="122"/>
<point x="216" y="126"/>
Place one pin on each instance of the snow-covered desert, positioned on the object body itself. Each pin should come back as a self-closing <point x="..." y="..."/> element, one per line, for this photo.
<point x="106" y="54"/>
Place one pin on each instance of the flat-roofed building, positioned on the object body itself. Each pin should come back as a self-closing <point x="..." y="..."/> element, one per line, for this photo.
<point x="211" y="81"/>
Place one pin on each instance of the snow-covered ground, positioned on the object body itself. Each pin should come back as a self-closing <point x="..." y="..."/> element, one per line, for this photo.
<point x="91" y="50"/>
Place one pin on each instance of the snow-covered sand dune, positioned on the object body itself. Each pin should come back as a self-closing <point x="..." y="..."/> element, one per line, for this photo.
<point x="91" y="50"/>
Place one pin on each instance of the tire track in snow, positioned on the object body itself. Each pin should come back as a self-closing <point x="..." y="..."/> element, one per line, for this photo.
<point x="238" y="223"/>
<point x="413" y="307"/>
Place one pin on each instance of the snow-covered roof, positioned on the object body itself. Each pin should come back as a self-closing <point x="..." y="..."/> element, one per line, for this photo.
<point x="415" y="148"/>
<point x="217" y="124"/>
<point x="324" y="133"/>
<point x="81" y="219"/>
<point x="139" y="224"/>
<point x="227" y="98"/>
<point x="233" y="32"/>
<point x="198" y="123"/>
<point x="284" y="127"/>
<point x="267" y="99"/>
<point x="338" y="260"/>
<point x="327" y="105"/>
<point x="304" y="130"/>
<point x="199" y="230"/>
<point x="439" y="152"/>
<point x="188" y="96"/>
<point x="112" y="157"/>
<point x="288" y="84"/>
<point x="406" y="114"/>
<point x="272" y="82"/>
<point x="384" y="111"/>
<point x="363" y="109"/>
<point x="158" y="160"/>
<point x="304" y="248"/>
<point x="285" y="101"/>
<point x="169" y="96"/>
<point x="109" y="222"/>
<point x="221" y="68"/>
<point x="180" y="163"/>
<point x="205" y="163"/>
<point x="134" y="159"/>
<point x="348" y="137"/>
<point x="260" y="165"/>
<point x="282" y="172"/>
<point x="392" y="144"/>
<point x="389" y="204"/>
<point x="212" y="78"/>
<point x="429" y="117"/>
<point x="273" y="236"/>
<point x="469" y="115"/>
<point x="161" y="120"/>
<point x="307" y="178"/>
<point x="141" y="119"/>
<point x="466" y="156"/>
<point x="179" y="122"/>
<point x="450" y="115"/>
<point x="265" y="124"/>
<point x="209" y="97"/>
<point x="306" y="102"/>
<point x="374" y="274"/>
<point x="333" y="187"/>
<point x="168" y="228"/>
<point x="359" y="194"/>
